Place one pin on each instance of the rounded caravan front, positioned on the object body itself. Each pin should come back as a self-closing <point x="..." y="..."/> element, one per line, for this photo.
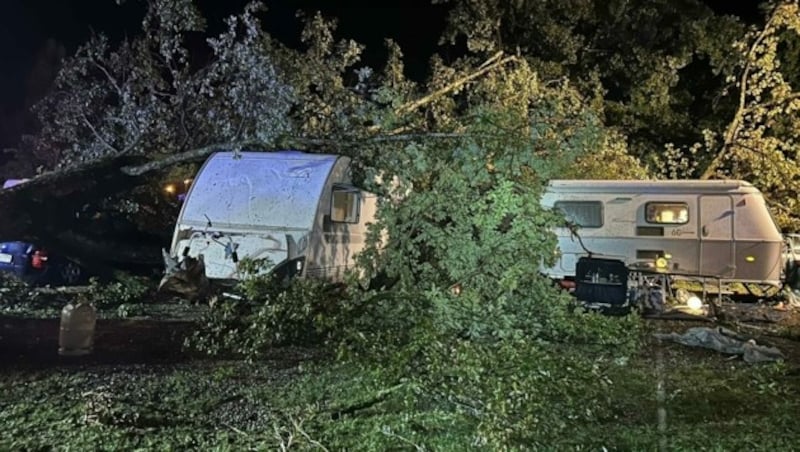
<point x="719" y="229"/>
<point x="298" y="211"/>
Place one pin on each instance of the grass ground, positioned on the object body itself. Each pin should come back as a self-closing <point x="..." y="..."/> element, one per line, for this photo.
<point x="127" y="397"/>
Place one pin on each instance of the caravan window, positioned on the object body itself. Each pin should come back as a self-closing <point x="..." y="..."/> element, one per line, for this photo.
<point x="667" y="212"/>
<point x="344" y="205"/>
<point x="586" y="214"/>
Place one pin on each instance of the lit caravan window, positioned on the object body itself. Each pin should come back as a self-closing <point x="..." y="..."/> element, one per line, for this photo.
<point x="586" y="214"/>
<point x="344" y="205"/>
<point x="667" y="212"/>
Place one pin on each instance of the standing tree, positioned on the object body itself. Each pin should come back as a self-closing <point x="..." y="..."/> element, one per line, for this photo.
<point x="653" y="68"/>
<point x="761" y="141"/>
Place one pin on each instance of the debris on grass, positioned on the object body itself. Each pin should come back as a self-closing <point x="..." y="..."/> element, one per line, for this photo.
<point x="725" y="341"/>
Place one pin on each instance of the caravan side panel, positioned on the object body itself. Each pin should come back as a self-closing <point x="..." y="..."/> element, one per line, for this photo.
<point x="340" y="227"/>
<point x="719" y="229"/>
<point x="623" y="231"/>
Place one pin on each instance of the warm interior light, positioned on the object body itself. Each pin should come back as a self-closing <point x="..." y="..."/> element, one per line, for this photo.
<point x="667" y="256"/>
<point x="750" y="258"/>
<point x="169" y="188"/>
<point x="694" y="303"/>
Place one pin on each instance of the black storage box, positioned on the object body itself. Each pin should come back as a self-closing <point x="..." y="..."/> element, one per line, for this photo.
<point x="601" y="281"/>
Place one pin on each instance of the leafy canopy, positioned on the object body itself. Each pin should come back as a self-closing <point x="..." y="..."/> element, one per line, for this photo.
<point x="148" y="97"/>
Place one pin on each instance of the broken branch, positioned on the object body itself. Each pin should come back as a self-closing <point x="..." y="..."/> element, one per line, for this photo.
<point x="195" y="154"/>
<point x="488" y="65"/>
<point x="732" y="131"/>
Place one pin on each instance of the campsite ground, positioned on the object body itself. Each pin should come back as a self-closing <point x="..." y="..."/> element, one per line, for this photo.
<point x="140" y="389"/>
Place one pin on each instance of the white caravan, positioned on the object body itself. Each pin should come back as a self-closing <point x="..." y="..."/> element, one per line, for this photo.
<point x="298" y="210"/>
<point x="707" y="229"/>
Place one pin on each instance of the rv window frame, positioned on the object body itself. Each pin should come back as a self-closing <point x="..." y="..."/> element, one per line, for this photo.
<point x="683" y="204"/>
<point x="356" y="213"/>
<point x="575" y="201"/>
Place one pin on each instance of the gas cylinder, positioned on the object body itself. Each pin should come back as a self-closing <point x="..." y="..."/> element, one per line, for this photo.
<point x="76" y="335"/>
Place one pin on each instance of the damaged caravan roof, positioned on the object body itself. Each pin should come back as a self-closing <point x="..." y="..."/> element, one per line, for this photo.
<point x="240" y="191"/>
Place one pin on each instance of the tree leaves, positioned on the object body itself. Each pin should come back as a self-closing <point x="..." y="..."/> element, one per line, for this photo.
<point x="653" y="62"/>
<point x="760" y="143"/>
<point x="147" y="97"/>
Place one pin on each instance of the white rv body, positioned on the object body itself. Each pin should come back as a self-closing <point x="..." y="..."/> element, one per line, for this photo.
<point x="716" y="229"/>
<point x="298" y="210"/>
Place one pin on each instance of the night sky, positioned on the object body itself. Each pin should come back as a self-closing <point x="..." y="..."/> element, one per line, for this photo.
<point x="26" y="26"/>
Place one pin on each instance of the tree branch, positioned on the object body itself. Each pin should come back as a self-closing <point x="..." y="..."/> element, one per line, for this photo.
<point x="414" y="136"/>
<point x="495" y="61"/>
<point x="97" y="134"/>
<point x="776" y="103"/>
<point x="110" y="77"/>
<point x="194" y="154"/>
<point x="205" y="151"/>
<point x="734" y="127"/>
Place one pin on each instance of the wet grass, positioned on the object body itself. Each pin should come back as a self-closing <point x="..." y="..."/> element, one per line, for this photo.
<point x="140" y="390"/>
<point x="202" y="404"/>
<point x="710" y="403"/>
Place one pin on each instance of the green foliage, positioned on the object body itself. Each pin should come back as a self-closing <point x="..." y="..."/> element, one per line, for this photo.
<point x="326" y="108"/>
<point x="124" y="289"/>
<point x="125" y="295"/>
<point x="679" y="163"/>
<point x="760" y="142"/>
<point x="478" y="401"/>
<point x="263" y="312"/>
<point x="470" y="332"/>
<point x="653" y="66"/>
<point x="19" y="299"/>
<point x="612" y="161"/>
<point x="469" y="213"/>
<point x="12" y="290"/>
<point x="148" y="96"/>
<point x="147" y="408"/>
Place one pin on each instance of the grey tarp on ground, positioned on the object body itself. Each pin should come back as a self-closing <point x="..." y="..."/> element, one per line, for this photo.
<point x="724" y="341"/>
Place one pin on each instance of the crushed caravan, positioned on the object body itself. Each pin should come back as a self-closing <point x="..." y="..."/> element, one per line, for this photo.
<point x="721" y="230"/>
<point x="298" y="211"/>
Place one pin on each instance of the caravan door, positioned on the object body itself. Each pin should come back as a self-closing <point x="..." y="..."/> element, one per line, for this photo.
<point x="716" y="236"/>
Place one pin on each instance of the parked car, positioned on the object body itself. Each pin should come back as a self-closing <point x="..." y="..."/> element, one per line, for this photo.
<point x="37" y="267"/>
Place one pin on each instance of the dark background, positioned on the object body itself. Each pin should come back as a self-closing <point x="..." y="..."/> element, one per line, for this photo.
<point x="36" y="33"/>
